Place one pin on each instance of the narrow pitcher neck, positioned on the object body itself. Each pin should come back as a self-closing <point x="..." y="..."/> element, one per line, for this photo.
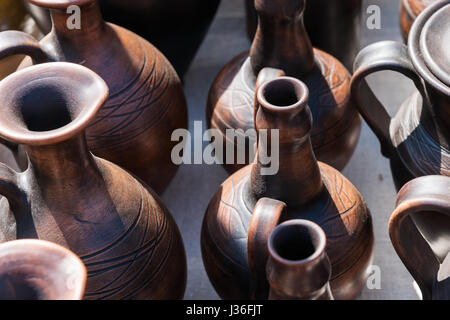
<point x="69" y="160"/>
<point x="298" y="178"/>
<point x="78" y="28"/>
<point x="282" y="42"/>
<point x="298" y="267"/>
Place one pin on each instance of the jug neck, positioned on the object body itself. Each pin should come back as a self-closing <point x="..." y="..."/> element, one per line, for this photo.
<point x="78" y="37"/>
<point x="298" y="179"/>
<point x="298" y="266"/>
<point x="69" y="160"/>
<point x="281" y="39"/>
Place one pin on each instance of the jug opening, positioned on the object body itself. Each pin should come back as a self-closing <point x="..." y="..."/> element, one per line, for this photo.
<point x="282" y="93"/>
<point x="296" y="242"/>
<point x="53" y="111"/>
<point x="49" y="103"/>
<point x="15" y="286"/>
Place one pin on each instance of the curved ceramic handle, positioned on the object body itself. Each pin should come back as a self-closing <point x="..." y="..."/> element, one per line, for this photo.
<point x="10" y="189"/>
<point x="267" y="214"/>
<point x="426" y="195"/>
<point x="385" y="55"/>
<point x="16" y="42"/>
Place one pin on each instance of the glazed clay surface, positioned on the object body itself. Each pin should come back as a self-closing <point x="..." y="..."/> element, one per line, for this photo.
<point x="311" y="190"/>
<point x="121" y="230"/>
<point x="285" y="45"/>
<point x="146" y="103"/>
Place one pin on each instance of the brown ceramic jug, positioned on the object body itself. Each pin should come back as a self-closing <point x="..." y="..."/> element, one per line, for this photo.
<point x="417" y="138"/>
<point x="420" y="232"/>
<point x="333" y="26"/>
<point x="133" y="129"/>
<point x="121" y="230"/>
<point x="409" y="10"/>
<point x="13" y="16"/>
<point x="176" y="27"/>
<point x="311" y="190"/>
<point x="297" y="266"/>
<point x="40" y="270"/>
<point x="282" y="42"/>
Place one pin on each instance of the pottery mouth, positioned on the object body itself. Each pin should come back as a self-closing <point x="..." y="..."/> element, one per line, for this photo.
<point x="297" y="242"/>
<point x="40" y="270"/>
<point x="49" y="103"/>
<point x="284" y="94"/>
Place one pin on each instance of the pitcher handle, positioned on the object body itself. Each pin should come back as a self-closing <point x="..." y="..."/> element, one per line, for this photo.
<point x="380" y="56"/>
<point x="10" y="189"/>
<point x="14" y="42"/>
<point x="267" y="214"/>
<point x="424" y="195"/>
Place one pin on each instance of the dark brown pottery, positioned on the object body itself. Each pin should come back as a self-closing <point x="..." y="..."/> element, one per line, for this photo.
<point x="417" y="138"/>
<point x="409" y="10"/>
<point x="420" y="232"/>
<point x="121" y="230"/>
<point x="176" y="27"/>
<point x="282" y="42"/>
<point x="40" y="270"/>
<point x="133" y="129"/>
<point x="297" y="266"/>
<point x="13" y="16"/>
<point x="311" y="190"/>
<point x="333" y="26"/>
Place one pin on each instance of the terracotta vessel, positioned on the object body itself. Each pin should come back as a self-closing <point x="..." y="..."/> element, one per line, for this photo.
<point x="311" y="190"/>
<point x="420" y="232"/>
<point x="409" y="10"/>
<point x="176" y="27"/>
<point x="13" y="16"/>
<point x="417" y="138"/>
<point x="133" y="129"/>
<point x="297" y="266"/>
<point x="121" y="230"/>
<point x="333" y="26"/>
<point x="40" y="270"/>
<point x="282" y="42"/>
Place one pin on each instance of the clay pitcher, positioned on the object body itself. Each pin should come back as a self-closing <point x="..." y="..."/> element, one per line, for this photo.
<point x="282" y="42"/>
<point x="120" y="229"/>
<point x="13" y="16"/>
<point x="417" y="138"/>
<point x="409" y="10"/>
<point x="291" y="255"/>
<point x="333" y="25"/>
<point x="310" y="189"/>
<point x="134" y="127"/>
<point x="420" y="233"/>
<point x="40" y="270"/>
